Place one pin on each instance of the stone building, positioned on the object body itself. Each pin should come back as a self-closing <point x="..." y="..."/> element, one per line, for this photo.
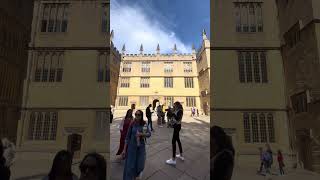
<point x="247" y="84"/>
<point x="299" y="23"/>
<point x="203" y="67"/>
<point x="67" y="90"/>
<point x="165" y="78"/>
<point x="15" y="28"/>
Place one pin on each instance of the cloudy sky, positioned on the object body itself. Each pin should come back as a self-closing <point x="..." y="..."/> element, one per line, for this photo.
<point x="166" y="22"/>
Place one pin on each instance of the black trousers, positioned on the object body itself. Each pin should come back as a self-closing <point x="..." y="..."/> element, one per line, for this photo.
<point x="150" y="122"/>
<point x="176" y="138"/>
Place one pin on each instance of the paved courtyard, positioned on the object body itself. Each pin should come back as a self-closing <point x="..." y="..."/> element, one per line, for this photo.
<point x="195" y="143"/>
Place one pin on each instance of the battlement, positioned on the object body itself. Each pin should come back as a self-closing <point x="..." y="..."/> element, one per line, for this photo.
<point x="157" y="55"/>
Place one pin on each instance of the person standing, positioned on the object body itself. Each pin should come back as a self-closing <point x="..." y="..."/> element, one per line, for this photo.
<point x="135" y="151"/>
<point x="221" y="154"/>
<point x="177" y="118"/>
<point x="124" y="126"/>
<point x="61" y="167"/>
<point x="159" y="114"/>
<point x="280" y="161"/>
<point x="149" y="116"/>
<point x="4" y="170"/>
<point x="193" y="111"/>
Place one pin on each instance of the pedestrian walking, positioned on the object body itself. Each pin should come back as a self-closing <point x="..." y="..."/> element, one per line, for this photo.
<point x="280" y="162"/>
<point x="4" y="170"/>
<point x="93" y="167"/>
<point x="124" y="126"/>
<point x="197" y="112"/>
<point x="222" y="154"/>
<point x="61" y="167"/>
<point x="269" y="150"/>
<point x="135" y="149"/>
<point x="177" y="118"/>
<point x="159" y="114"/>
<point x="149" y="116"/>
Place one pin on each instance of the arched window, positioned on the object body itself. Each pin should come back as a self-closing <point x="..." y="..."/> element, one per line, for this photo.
<point x="264" y="73"/>
<point x="252" y="19"/>
<point x="54" y="125"/>
<point x="241" y="62"/>
<point x="45" y="70"/>
<point x="53" y="67"/>
<point x="39" y="126"/>
<point x="60" y="67"/>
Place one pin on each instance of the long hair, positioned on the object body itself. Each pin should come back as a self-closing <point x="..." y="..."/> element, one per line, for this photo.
<point x="141" y="122"/>
<point x="222" y="140"/>
<point x="57" y="162"/>
<point x="101" y="164"/>
<point x="129" y="114"/>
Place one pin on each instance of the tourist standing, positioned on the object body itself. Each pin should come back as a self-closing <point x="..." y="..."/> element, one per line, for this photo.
<point x="93" y="167"/>
<point x="281" y="163"/>
<point x="135" y="149"/>
<point x="4" y="170"/>
<point x="149" y="116"/>
<point x="159" y="114"/>
<point x="177" y="118"/>
<point x="61" y="167"/>
<point x="222" y="154"/>
<point x="124" y="126"/>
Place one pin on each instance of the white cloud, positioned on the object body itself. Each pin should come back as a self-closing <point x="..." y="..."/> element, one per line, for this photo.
<point x="133" y="27"/>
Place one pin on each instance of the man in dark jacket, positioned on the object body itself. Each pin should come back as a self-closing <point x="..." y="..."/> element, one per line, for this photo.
<point x="149" y="116"/>
<point x="4" y="170"/>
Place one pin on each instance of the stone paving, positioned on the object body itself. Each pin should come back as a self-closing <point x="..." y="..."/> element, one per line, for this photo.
<point x="195" y="141"/>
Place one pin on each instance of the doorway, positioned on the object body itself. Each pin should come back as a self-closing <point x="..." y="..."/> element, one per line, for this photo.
<point x="154" y="103"/>
<point x="74" y="145"/>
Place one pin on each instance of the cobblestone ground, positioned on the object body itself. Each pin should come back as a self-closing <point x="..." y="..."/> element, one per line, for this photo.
<point x="195" y="141"/>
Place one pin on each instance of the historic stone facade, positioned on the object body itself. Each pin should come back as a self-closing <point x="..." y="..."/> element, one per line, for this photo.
<point x="299" y="23"/>
<point x="67" y="90"/>
<point x="15" y="28"/>
<point x="165" y="78"/>
<point x="247" y="84"/>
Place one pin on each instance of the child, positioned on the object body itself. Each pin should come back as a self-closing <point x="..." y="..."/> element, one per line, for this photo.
<point x="280" y="161"/>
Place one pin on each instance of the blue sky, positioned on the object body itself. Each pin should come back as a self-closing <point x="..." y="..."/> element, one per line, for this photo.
<point x="159" y="21"/>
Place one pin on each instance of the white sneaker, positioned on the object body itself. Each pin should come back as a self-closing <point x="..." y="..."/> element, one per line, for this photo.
<point x="180" y="157"/>
<point x="171" y="162"/>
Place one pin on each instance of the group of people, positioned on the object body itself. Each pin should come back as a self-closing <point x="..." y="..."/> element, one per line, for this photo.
<point x="266" y="157"/>
<point x="92" y="167"/>
<point x="133" y="134"/>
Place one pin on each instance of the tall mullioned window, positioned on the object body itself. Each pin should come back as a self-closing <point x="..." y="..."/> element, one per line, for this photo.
<point x="145" y="67"/>
<point x="126" y="67"/>
<point x="248" y="17"/>
<point x="299" y="102"/>
<point x="258" y="127"/>
<point x="48" y="67"/>
<point x="144" y="82"/>
<point x="125" y="82"/>
<point x="104" y="20"/>
<point x="103" y="68"/>
<point x="252" y="67"/>
<point x="169" y="100"/>
<point x="188" y="82"/>
<point x="168" y="82"/>
<point x="123" y="101"/>
<point x="187" y="67"/>
<point x="43" y="126"/>
<point x="168" y="67"/>
<point x="144" y="100"/>
<point x="54" y="17"/>
<point x="191" y="101"/>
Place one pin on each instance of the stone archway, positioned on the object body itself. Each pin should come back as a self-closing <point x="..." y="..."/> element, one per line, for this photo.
<point x="154" y="103"/>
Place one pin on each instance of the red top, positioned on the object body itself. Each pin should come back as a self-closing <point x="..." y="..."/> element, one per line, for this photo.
<point x="280" y="158"/>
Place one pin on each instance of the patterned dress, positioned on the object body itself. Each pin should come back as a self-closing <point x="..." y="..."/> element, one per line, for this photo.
<point x="136" y="155"/>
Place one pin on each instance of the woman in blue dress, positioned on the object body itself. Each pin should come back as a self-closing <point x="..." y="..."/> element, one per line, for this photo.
<point x="135" y="149"/>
